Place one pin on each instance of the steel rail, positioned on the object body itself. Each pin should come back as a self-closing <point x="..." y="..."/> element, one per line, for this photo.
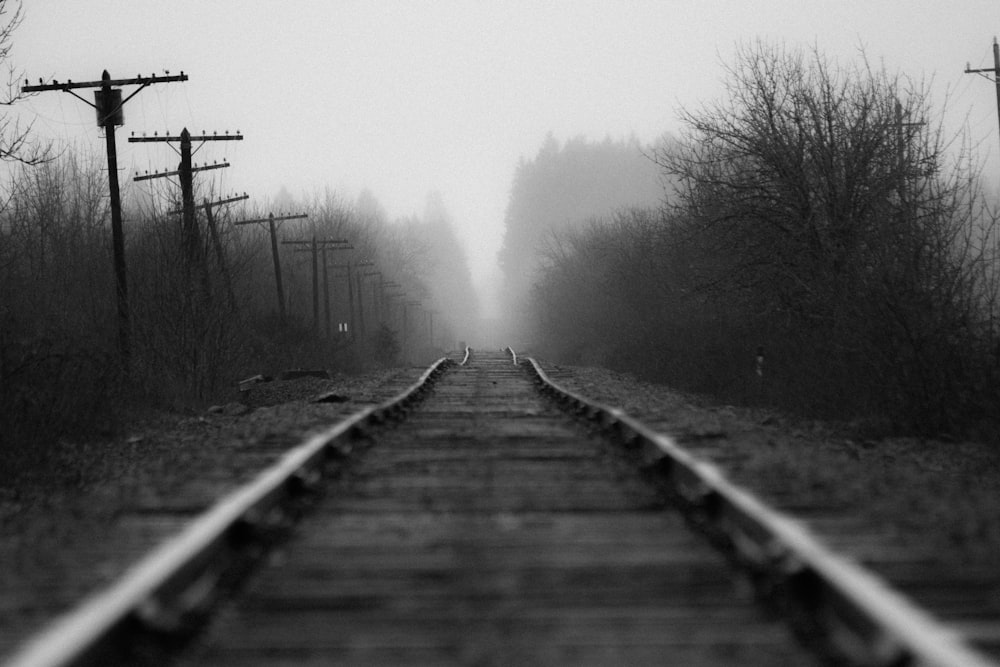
<point x="860" y="617"/>
<point x="176" y="577"/>
<point x="513" y="354"/>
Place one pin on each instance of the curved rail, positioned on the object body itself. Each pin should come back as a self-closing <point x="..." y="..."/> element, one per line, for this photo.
<point x="861" y="618"/>
<point x="513" y="354"/>
<point x="178" y="579"/>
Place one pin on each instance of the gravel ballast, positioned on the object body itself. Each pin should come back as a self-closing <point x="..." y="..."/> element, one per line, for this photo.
<point x="80" y="523"/>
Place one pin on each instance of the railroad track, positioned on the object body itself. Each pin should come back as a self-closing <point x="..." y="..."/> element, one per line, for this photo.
<point x="470" y="521"/>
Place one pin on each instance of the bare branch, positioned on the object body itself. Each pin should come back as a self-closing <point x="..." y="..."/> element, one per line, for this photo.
<point x="16" y="143"/>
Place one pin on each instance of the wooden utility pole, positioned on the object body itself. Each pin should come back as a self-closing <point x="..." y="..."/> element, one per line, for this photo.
<point x="360" y="278"/>
<point x="191" y="241"/>
<point x="995" y="70"/>
<point x="318" y="248"/>
<point x="277" y="267"/>
<point x="350" y="296"/>
<point x="315" y="272"/>
<point x="108" y="118"/>
<point x="355" y="281"/>
<point x="108" y="103"/>
<point x="271" y="221"/>
<point x="220" y="253"/>
<point x="326" y="294"/>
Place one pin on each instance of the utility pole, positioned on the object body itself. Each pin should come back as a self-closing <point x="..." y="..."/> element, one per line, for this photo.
<point x="191" y="241"/>
<point x="326" y="294"/>
<point x="316" y="248"/>
<point x="271" y="221"/>
<point x="315" y="277"/>
<point x="353" y="280"/>
<point x="360" y="279"/>
<point x="108" y="103"/>
<point x="996" y="82"/>
<point x="220" y="253"/>
<point x="995" y="70"/>
<point x="350" y="296"/>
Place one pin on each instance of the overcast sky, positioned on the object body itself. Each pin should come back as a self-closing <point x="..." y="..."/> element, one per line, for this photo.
<point x="408" y="97"/>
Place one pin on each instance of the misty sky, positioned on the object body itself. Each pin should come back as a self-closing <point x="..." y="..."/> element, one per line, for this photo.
<point x="408" y="97"/>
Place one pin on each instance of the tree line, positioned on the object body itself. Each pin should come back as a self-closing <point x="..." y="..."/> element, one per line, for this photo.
<point x="197" y="330"/>
<point x="562" y="185"/>
<point x="823" y="246"/>
<point x="203" y="311"/>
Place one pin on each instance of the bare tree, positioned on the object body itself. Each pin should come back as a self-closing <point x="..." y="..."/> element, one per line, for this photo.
<point x="817" y="199"/>
<point x="818" y="213"/>
<point x="796" y="172"/>
<point x="16" y="144"/>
